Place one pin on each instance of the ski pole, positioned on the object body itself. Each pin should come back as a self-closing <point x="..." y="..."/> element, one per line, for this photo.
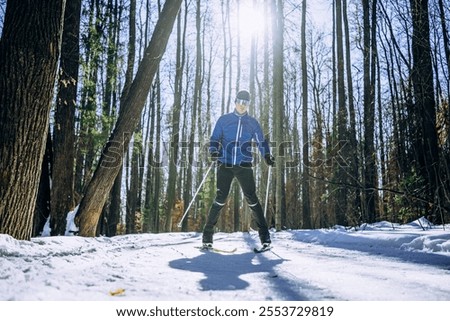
<point x="198" y="190"/>
<point x="267" y="191"/>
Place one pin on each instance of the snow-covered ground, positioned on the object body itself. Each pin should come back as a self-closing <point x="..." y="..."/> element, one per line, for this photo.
<point x="382" y="262"/>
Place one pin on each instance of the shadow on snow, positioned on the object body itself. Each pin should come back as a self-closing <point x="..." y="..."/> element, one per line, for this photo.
<point x="223" y="272"/>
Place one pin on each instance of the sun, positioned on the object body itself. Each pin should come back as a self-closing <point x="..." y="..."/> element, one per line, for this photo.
<point x="249" y="20"/>
<point x="242" y="27"/>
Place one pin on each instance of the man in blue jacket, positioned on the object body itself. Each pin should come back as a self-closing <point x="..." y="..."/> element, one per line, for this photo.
<point x="230" y="145"/>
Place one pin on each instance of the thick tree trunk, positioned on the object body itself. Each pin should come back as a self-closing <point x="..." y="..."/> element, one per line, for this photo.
<point x="29" y="51"/>
<point x="131" y="109"/>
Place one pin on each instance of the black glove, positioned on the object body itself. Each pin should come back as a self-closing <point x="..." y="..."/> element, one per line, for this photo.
<point x="270" y="160"/>
<point x="214" y="156"/>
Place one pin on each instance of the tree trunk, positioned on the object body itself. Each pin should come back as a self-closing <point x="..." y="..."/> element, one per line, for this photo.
<point x="342" y="120"/>
<point x="131" y="107"/>
<point x="306" y="205"/>
<point x="355" y="198"/>
<point x="446" y="39"/>
<point x="369" y="116"/>
<point x="424" y="103"/>
<point x="114" y="206"/>
<point x="195" y="111"/>
<point x="157" y="169"/>
<point x="175" y="135"/>
<point x="153" y="178"/>
<point x="130" y="216"/>
<point x="62" y="194"/>
<point x="114" y="10"/>
<point x="29" y="52"/>
<point x="42" y="209"/>
<point x="278" y="105"/>
<point x="265" y="112"/>
<point x="133" y="192"/>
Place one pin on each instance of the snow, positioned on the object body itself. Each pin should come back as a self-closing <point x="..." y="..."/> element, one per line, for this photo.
<point x="380" y="261"/>
<point x="376" y="262"/>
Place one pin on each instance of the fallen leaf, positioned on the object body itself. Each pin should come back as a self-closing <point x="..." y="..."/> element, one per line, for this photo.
<point x="119" y="291"/>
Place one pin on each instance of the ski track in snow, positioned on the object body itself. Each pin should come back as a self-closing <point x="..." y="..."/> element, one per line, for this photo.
<point x="303" y="265"/>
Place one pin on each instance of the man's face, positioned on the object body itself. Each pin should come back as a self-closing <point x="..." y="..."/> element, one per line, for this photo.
<point x="242" y="105"/>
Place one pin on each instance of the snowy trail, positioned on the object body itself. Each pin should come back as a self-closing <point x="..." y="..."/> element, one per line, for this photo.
<point x="355" y="275"/>
<point x="312" y="265"/>
<point x="304" y="271"/>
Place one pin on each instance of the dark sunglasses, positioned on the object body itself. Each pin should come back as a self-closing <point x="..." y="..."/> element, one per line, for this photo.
<point x="243" y="102"/>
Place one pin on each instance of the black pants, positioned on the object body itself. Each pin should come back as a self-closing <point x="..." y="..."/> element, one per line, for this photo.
<point x="244" y="175"/>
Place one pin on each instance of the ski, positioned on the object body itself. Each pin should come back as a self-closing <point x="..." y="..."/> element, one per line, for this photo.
<point x="262" y="249"/>
<point x="215" y="249"/>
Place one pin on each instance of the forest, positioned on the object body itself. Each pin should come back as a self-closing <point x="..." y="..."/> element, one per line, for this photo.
<point x="107" y="106"/>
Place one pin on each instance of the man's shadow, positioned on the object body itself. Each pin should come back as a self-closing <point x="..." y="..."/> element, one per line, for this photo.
<point x="224" y="271"/>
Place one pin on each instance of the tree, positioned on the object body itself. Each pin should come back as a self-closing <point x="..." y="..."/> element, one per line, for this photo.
<point x="341" y="168"/>
<point x="132" y="103"/>
<point x="175" y="135"/>
<point x="425" y="139"/>
<point x="42" y="208"/>
<point x="153" y="177"/>
<point x="446" y="40"/>
<point x="89" y="141"/>
<point x="369" y="44"/>
<point x="306" y="204"/>
<point x="29" y="51"/>
<point x="355" y="206"/>
<point x="62" y="193"/>
<point x="132" y="193"/>
<point x="196" y="106"/>
<point x="278" y="105"/>
<point x="111" y="212"/>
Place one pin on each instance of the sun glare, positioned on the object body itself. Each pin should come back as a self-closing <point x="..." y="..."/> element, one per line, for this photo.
<point x="249" y="19"/>
<point x="240" y="22"/>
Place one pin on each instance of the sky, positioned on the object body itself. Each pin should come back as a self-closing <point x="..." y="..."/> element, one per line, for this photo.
<point x="380" y="262"/>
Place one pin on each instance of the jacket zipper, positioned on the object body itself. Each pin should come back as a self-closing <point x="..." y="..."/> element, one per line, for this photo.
<point x="238" y="135"/>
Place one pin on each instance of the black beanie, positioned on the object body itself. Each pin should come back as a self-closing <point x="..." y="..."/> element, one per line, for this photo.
<point x="243" y="94"/>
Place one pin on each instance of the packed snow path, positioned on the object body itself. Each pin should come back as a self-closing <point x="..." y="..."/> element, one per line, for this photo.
<point x="379" y="263"/>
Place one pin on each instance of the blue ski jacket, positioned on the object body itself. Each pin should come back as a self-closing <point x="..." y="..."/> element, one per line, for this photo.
<point x="232" y="137"/>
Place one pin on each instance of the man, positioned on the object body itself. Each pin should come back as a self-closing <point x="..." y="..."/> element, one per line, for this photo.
<point x="230" y="145"/>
